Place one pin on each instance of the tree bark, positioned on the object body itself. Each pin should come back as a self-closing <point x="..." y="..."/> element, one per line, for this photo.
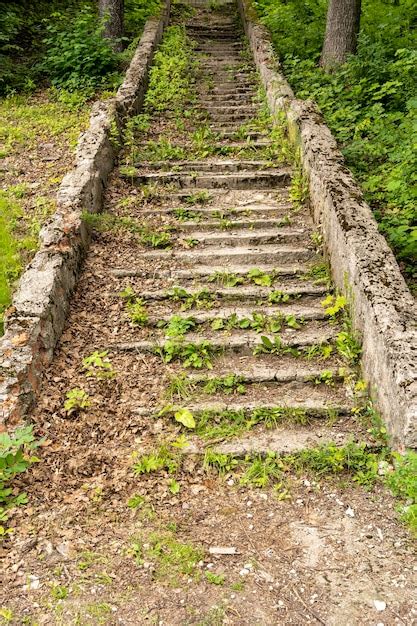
<point x="342" y="28"/>
<point x="112" y="11"/>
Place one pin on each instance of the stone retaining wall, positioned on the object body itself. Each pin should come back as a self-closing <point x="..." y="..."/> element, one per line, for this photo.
<point x="363" y="266"/>
<point x="36" y="318"/>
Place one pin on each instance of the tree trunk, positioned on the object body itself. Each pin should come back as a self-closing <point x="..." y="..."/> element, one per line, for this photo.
<point x="342" y="28"/>
<point x="112" y="11"/>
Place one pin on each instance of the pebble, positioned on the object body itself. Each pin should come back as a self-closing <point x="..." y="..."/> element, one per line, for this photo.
<point x="380" y="605"/>
<point x="350" y="512"/>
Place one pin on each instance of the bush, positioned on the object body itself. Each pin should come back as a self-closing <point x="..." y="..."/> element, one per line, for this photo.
<point x="77" y="54"/>
<point x="369" y="103"/>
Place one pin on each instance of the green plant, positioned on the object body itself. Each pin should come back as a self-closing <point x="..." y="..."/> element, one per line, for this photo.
<point x="334" y="305"/>
<point x="195" y="355"/>
<point x="158" y="239"/>
<point x="325" y="377"/>
<point x="136" y="501"/>
<point x="226" y="279"/>
<point x="98" y="366"/>
<point x="225" y="384"/>
<point x="137" y="312"/>
<point x="160" y="459"/>
<point x="177" y="326"/>
<point x="185" y="215"/>
<point x="172" y="74"/>
<point x="59" y="592"/>
<point x="15" y="458"/>
<point x="77" y="53"/>
<point x="348" y="347"/>
<point x="180" y="386"/>
<point x="173" y="559"/>
<point x="403" y="483"/>
<point x="319" y="274"/>
<point x="260" y="278"/>
<point x="174" y="486"/>
<point x="202" y="299"/>
<point x="215" y="579"/>
<point x="76" y="400"/>
<point x="274" y="346"/>
<point x="199" y="197"/>
<point x="277" y="296"/>
<point x="259" y="471"/>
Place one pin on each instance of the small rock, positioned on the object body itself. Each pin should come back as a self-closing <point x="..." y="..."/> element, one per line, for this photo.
<point x="380" y="605"/>
<point x="350" y="512"/>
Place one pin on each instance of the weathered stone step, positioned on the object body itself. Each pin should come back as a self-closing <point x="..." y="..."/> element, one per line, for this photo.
<point x="241" y="180"/>
<point x="232" y="99"/>
<point x="252" y="224"/>
<point x="282" y="441"/>
<point x="228" y="90"/>
<point x="207" y="271"/>
<point x="302" y="312"/>
<point x="232" y="132"/>
<point x="242" y="343"/>
<point x="232" y="116"/>
<point x="251" y="371"/>
<point x="281" y="208"/>
<point x="239" y="254"/>
<point x="208" y="165"/>
<point x="214" y="109"/>
<point x="242" y="237"/>
<point x="302" y="291"/>
<point x="315" y="406"/>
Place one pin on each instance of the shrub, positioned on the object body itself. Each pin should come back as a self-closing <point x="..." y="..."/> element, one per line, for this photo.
<point x="369" y="103"/>
<point x="77" y="54"/>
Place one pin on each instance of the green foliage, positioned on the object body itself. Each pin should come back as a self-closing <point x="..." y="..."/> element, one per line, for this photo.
<point x="171" y="76"/>
<point x="10" y="264"/>
<point x="369" y="102"/>
<point x="403" y="484"/>
<point x="76" y="400"/>
<point x="201" y="299"/>
<point x="98" y="366"/>
<point x="215" y="579"/>
<point x="178" y="326"/>
<point x="195" y="355"/>
<point x="77" y="54"/>
<point x="156" y="239"/>
<point x="173" y="559"/>
<point x="228" y="384"/>
<point x="15" y="458"/>
<point x="160" y="459"/>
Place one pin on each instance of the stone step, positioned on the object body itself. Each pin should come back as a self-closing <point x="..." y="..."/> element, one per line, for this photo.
<point x="208" y="165"/>
<point x="302" y="292"/>
<point x="232" y="116"/>
<point x="239" y="238"/>
<point x="251" y="371"/>
<point x="242" y="343"/>
<point x="251" y="224"/>
<point x="315" y="406"/>
<point x="241" y="180"/>
<point x="239" y="254"/>
<point x="221" y="109"/>
<point x="306" y="312"/>
<point x="207" y="271"/>
<point x="282" y="441"/>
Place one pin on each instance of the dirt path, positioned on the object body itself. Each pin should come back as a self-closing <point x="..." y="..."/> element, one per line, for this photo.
<point x="137" y="517"/>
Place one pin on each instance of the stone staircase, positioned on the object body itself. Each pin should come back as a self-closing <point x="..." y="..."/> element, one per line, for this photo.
<point x="245" y="222"/>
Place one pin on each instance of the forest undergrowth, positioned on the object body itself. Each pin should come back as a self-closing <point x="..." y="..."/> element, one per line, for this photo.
<point x="370" y="103"/>
<point x="54" y="62"/>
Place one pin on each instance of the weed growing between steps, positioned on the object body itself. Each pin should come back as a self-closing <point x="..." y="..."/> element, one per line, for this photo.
<point x="342" y="465"/>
